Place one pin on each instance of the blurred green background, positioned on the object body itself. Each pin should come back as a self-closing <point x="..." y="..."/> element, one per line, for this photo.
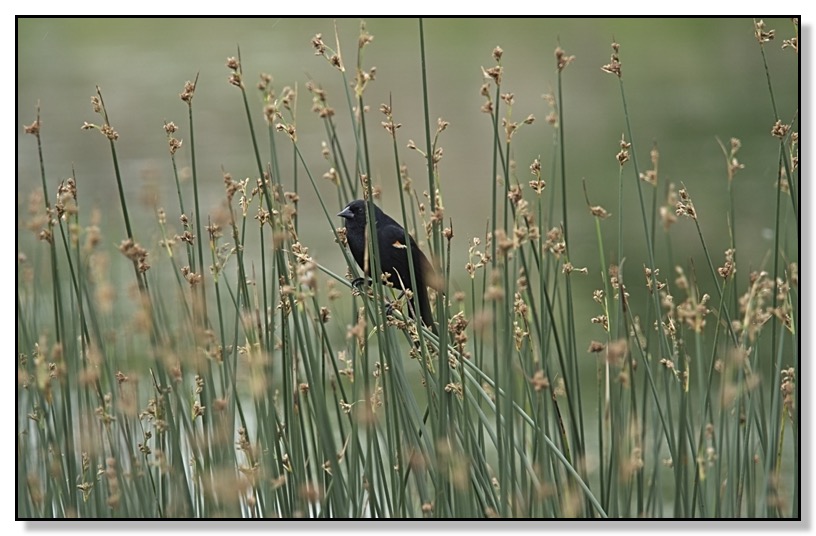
<point x="688" y="81"/>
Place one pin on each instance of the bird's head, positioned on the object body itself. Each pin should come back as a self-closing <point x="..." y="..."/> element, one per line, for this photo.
<point x="354" y="213"/>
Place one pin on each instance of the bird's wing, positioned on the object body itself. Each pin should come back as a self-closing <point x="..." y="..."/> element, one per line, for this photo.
<point x="392" y="236"/>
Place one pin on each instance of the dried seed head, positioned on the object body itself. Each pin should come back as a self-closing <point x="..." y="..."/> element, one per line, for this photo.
<point x="288" y="98"/>
<point x="788" y="388"/>
<point x="437" y="155"/>
<point x="175" y="145"/>
<point x="135" y="253"/>
<point x="602" y="320"/>
<point x="493" y="73"/>
<point x="332" y="176"/>
<point x="236" y="80"/>
<point x="623" y="155"/>
<point x="514" y="194"/>
<point x="497" y="53"/>
<point x="441" y="125"/>
<point x="780" y="130"/>
<point x="649" y="176"/>
<point x="685" y="207"/>
<point x="793" y="43"/>
<point x="761" y="35"/>
<point x="613" y="68"/>
<point x="599" y="212"/>
<point x="289" y="129"/>
<point x="736" y="145"/>
<point x="568" y="268"/>
<point x="617" y="351"/>
<point x="562" y="59"/>
<point x="33" y="128"/>
<point x="734" y="165"/>
<point x="265" y="82"/>
<point x="667" y="213"/>
<point x="539" y="381"/>
<point x="729" y="268"/>
<point x="319" y="45"/>
<point x="510" y="128"/>
<point x="554" y="242"/>
<point x="535" y="167"/>
<point x="365" y="38"/>
<point x="189" y="91"/>
<point x="614" y="65"/>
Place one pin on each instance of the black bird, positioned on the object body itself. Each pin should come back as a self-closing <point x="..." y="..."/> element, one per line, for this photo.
<point x="393" y="255"/>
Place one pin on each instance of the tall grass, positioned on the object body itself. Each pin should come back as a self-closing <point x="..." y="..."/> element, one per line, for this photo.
<point x="219" y="387"/>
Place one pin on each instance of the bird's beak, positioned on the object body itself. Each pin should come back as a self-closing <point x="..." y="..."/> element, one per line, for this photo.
<point x="347" y="214"/>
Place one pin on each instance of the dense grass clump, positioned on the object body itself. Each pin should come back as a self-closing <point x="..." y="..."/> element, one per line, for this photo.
<point x="226" y="371"/>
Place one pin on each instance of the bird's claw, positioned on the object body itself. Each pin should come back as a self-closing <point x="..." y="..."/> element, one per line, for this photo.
<point x="358" y="283"/>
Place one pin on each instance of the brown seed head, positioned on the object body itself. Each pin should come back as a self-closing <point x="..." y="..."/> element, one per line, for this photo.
<point x="539" y="381"/>
<point x="612" y="68"/>
<point x="599" y="212"/>
<point x="494" y="73"/>
<point x="319" y="45"/>
<point x="562" y="59"/>
<point x="623" y="155"/>
<point x="364" y="39"/>
<point x="497" y="53"/>
<point x="793" y="43"/>
<point x="188" y="93"/>
<point x="109" y="133"/>
<point x="779" y="130"/>
<point x="33" y="128"/>
<point x="761" y="35"/>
